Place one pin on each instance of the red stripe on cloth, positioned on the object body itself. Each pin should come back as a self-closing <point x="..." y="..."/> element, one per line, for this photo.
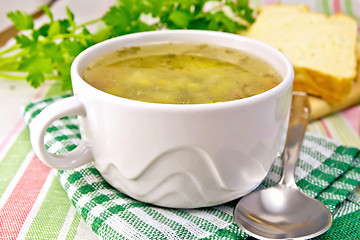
<point x="352" y="115"/>
<point x="337" y="6"/>
<point x="327" y="132"/>
<point x="22" y="199"/>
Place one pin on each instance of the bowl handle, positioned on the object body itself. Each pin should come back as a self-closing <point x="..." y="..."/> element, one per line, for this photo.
<point x="65" y="107"/>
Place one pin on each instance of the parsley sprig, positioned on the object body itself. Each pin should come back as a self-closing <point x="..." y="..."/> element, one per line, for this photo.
<point x="46" y="52"/>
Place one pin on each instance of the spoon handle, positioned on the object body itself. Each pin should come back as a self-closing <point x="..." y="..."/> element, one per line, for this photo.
<point x="299" y="117"/>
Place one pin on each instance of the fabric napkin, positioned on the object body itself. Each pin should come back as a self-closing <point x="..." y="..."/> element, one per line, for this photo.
<point x="326" y="170"/>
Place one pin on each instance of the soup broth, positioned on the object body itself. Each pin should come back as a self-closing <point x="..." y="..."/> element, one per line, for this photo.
<point x="181" y="73"/>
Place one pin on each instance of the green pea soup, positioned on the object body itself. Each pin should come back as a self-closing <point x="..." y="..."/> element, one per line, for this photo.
<point x="181" y="73"/>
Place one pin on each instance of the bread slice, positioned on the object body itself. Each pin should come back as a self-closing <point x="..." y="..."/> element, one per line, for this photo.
<point x="322" y="49"/>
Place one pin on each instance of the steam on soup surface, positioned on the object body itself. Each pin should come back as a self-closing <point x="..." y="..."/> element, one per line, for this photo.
<point x="181" y="73"/>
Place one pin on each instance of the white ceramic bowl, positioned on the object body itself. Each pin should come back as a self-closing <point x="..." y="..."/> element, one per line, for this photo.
<point x="173" y="155"/>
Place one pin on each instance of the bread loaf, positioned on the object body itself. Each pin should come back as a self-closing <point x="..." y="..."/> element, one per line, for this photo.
<point x="322" y="49"/>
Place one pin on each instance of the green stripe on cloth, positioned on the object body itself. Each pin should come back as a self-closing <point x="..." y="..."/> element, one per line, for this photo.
<point x="13" y="159"/>
<point x="347" y="136"/>
<point x="325" y="170"/>
<point x="73" y="227"/>
<point x="334" y="166"/>
<point x="50" y="218"/>
<point x="349" y="9"/>
<point x="350" y="225"/>
<point x="341" y="189"/>
<point x="326" y="7"/>
<point x="229" y="233"/>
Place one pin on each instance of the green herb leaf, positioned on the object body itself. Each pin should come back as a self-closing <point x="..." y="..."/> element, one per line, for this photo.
<point x="70" y="15"/>
<point x="22" y="21"/>
<point x="24" y="41"/>
<point x="119" y="19"/>
<point x="47" y="11"/>
<point x="36" y="64"/>
<point x="36" y="78"/>
<point x="48" y="51"/>
<point x="64" y="75"/>
<point x="72" y="48"/>
<point x="103" y="32"/>
<point x="52" y="51"/>
<point x="44" y="29"/>
<point x="64" y="26"/>
<point x="180" y="18"/>
<point x="54" y="29"/>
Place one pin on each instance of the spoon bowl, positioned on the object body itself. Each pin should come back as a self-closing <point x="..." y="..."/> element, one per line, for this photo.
<point x="283" y="211"/>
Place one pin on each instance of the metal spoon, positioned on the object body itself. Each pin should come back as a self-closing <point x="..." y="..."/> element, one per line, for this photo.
<point x="283" y="211"/>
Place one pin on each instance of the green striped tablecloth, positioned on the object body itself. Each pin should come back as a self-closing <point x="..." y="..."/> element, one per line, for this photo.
<point x="326" y="170"/>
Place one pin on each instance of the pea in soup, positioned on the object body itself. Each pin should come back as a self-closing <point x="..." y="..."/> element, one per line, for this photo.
<point x="181" y="73"/>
